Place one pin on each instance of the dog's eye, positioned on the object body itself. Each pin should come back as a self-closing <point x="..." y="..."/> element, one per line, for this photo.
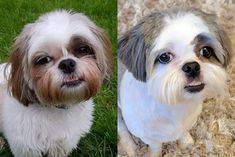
<point x="165" y="58"/>
<point x="206" y="51"/>
<point x="43" y="60"/>
<point x="83" y="50"/>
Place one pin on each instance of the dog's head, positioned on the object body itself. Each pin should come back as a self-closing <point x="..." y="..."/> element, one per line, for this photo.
<point x="63" y="57"/>
<point x="180" y="54"/>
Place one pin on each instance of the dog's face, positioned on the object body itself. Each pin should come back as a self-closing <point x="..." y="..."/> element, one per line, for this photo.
<point x="181" y="55"/>
<point x="61" y="58"/>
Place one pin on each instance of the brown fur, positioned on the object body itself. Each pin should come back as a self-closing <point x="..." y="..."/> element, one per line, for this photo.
<point x="91" y="74"/>
<point x="104" y="62"/>
<point x="50" y="92"/>
<point x="76" y="42"/>
<point x="17" y="84"/>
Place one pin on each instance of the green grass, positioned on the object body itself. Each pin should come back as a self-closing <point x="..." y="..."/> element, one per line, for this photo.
<point x="102" y="139"/>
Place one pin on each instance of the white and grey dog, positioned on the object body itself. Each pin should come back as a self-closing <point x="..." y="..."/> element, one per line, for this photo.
<point x="174" y="59"/>
<point x="57" y="65"/>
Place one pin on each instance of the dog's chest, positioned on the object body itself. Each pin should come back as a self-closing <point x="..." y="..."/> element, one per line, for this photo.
<point x="46" y="129"/>
<point x="148" y="119"/>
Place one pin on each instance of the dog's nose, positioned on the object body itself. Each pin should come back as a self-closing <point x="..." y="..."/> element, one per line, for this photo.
<point x="191" y="69"/>
<point x="67" y="66"/>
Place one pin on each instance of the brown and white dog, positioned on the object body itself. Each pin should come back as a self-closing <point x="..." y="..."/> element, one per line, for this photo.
<point x="57" y="64"/>
<point x="174" y="60"/>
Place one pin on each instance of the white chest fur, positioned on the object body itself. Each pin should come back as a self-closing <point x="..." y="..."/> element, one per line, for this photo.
<point x="152" y="121"/>
<point x="37" y="130"/>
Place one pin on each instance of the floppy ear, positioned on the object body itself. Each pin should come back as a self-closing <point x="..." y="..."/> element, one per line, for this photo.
<point x="18" y="61"/>
<point x="104" y="58"/>
<point x="135" y="44"/>
<point x="132" y="52"/>
<point x="226" y="45"/>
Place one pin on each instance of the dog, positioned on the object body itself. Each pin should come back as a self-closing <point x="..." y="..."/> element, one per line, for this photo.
<point x="169" y="63"/>
<point x="57" y="64"/>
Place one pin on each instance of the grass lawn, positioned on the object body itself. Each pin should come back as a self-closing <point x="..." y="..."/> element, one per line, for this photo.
<point x="102" y="140"/>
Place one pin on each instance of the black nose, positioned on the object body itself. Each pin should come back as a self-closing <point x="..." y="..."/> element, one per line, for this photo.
<point x="67" y="66"/>
<point x="191" y="69"/>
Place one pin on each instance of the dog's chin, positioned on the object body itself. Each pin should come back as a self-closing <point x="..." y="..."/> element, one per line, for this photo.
<point x="68" y="94"/>
<point x="194" y="85"/>
<point x="194" y="93"/>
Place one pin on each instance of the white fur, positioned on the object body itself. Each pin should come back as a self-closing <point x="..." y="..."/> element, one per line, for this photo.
<point x="58" y="27"/>
<point x="160" y="109"/>
<point x="168" y="80"/>
<point x="33" y="130"/>
<point x="150" y="120"/>
<point x="37" y="129"/>
<point x="181" y="30"/>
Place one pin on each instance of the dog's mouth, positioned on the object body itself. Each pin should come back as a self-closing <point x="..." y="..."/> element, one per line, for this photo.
<point x="72" y="81"/>
<point x="194" y="86"/>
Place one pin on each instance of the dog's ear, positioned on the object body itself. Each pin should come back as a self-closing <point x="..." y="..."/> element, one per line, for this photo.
<point x="226" y="45"/>
<point x="18" y="61"/>
<point x="135" y="44"/>
<point x="104" y="59"/>
<point x="132" y="52"/>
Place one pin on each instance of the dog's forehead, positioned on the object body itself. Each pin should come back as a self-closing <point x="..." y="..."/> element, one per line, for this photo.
<point x="180" y="30"/>
<point x="57" y="30"/>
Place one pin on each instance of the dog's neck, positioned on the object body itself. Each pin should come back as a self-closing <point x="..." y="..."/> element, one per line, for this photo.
<point x="62" y="106"/>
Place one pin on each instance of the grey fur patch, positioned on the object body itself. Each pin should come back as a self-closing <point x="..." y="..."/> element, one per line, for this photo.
<point x="132" y="52"/>
<point x="135" y="44"/>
